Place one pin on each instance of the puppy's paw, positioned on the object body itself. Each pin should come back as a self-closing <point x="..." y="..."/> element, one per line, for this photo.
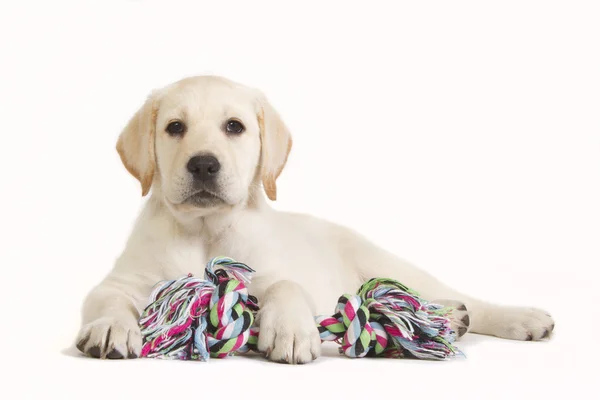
<point x="289" y="337"/>
<point x="521" y="323"/>
<point x="459" y="319"/>
<point x="110" y="338"/>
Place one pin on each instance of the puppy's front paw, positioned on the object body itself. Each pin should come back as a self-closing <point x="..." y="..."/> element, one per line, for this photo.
<point x="289" y="337"/>
<point x="110" y="338"/>
<point x="521" y="323"/>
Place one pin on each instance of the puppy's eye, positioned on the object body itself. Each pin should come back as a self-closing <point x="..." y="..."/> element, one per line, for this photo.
<point x="234" y="126"/>
<point x="176" y="128"/>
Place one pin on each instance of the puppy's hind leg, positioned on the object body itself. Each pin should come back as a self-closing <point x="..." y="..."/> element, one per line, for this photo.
<point x="520" y="323"/>
<point x="459" y="318"/>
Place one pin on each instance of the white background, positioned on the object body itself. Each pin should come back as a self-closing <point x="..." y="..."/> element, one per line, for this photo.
<point x="463" y="136"/>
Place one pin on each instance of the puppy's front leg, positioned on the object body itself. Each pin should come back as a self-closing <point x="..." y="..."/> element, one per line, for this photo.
<point x="110" y="318"/>
<point x="287" y="327"/>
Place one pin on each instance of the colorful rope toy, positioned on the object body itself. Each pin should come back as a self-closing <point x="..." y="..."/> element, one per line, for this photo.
<point x="194" y="319"/>
<point x="385" y="318"/>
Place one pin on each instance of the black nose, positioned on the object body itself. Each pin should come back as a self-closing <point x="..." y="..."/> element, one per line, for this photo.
<point x="204" y="167"/>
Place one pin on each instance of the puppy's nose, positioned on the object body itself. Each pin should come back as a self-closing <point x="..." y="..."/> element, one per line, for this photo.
<point x="204" y="167"/>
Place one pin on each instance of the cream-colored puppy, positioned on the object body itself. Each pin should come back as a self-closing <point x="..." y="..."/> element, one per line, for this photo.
<point x="208" y="147"/>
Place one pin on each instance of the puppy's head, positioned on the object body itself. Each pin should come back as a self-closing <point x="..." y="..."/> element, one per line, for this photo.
<point x="206" y="142"/>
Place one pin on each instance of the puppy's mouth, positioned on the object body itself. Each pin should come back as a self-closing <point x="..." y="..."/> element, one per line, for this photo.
<point x="204" y="198"/>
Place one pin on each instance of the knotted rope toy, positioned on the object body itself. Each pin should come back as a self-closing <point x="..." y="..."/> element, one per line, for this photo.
<point x="385" y="318"/>
<point x="194" y="319"/>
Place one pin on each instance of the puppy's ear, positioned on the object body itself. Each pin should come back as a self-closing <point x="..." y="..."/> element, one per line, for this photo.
<point x="136" y="143"/>
<point x="276" y="143"/>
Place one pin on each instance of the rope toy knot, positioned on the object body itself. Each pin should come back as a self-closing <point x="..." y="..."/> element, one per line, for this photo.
<point x="352" y="328"/>
<point x="194" y="319"/>
<point x="385" y="318"/>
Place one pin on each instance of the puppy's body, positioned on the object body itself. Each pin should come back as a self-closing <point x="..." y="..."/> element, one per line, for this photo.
<point x="303" y="264"/>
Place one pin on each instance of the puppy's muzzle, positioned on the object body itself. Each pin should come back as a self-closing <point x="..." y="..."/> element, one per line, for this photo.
<point x="204" y="167"/>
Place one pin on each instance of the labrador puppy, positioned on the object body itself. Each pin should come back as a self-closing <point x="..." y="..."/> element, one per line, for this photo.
<point x="208" y="148"/>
